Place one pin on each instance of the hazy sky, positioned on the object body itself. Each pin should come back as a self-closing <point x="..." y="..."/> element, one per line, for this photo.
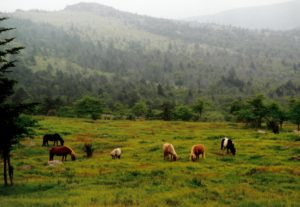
<point x="157" y="8"/>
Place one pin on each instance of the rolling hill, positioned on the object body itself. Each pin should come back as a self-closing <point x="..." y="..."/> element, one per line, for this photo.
<point x="282" y="16"/>
<point x="123" y="58"/>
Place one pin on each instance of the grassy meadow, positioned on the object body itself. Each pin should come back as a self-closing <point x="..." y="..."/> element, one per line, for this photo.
<point x="263" y="172"/>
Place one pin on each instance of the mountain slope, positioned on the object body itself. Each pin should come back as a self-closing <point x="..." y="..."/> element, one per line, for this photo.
<point x="123" y="58"/>
<point x="283" y="16"/>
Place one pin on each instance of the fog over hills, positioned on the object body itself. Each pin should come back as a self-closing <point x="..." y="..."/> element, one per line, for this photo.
<point x="282" y="16"/>
<point x="123" y="58"/>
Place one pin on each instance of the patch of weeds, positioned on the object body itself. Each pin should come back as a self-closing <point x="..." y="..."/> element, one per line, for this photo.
<point x="249" y="204"/>
<point x="256" y="157"/>
<point x="155" y="173"/>
<point x="214" y="195"/>
<point x="252" y="172"/>
<point x="135" y="173"/>
<point x="190" y="168"/>
<point x="227" y="159"/>
<point x="184" y="137"/>
<point x="124" y="201"/>
<point x="69" y="174"/>
<point x="153" y="149"/>
<point x="104" y="135"/>
<point x="172" y="202"/>
<point x="65" y="133"/>
<point x="293" y="137"/>
<point x="216" y="137"/>
<point x="94" y="200"/>
<point x="196" y="182"/>
<point x="278" y="148"/>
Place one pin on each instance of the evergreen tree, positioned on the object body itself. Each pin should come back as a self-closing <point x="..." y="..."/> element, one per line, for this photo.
<point x="167" y="110"/>
<point x="13" y="126"/>
<point x="198" y="107"/>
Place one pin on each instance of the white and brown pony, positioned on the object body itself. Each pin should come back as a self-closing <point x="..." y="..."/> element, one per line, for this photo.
<point x="62" y="151"/>
<point x="116" y="153"/>
<point x="196" y="151"/>
<point x="168" y="150"/>
<point x="228" y="145"/>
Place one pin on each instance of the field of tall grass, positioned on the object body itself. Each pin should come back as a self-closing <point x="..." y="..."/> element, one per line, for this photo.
<point x="264" y="172"/>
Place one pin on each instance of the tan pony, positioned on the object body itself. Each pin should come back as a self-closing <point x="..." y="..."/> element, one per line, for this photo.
<point x="61" y="151"/>
<point x="168" y="149"/>
<point x="197" y="150"/>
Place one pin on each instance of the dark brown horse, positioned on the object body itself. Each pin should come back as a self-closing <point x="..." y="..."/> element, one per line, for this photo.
<point x="52" y="137"/>
<point x="61" y="151"/>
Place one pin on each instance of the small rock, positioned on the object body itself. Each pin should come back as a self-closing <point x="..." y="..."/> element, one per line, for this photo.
<point x="53" y="163"/>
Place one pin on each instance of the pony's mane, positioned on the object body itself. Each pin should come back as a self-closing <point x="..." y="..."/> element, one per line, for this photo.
<point x="72" y="151"/>
<point x="173" y="150"/>
<point x="192" y="150"/>
<point x="192" y="155"/>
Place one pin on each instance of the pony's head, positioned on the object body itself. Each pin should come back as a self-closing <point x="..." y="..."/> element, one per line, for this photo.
<point x="73" y="156"/>
<point x="175" y="157"/>
<point x="193" y="157"/>
<point x="233" y="150"/>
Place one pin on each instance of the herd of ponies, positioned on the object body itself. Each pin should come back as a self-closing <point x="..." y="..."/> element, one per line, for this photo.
<point x="168" y="149"/>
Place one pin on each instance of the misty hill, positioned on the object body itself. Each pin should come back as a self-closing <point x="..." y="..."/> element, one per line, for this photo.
<point x="283" y="16"/>
<point x="123" y="58"/>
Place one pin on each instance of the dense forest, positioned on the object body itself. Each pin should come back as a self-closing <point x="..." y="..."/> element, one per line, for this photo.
<point x="127" y="62"/>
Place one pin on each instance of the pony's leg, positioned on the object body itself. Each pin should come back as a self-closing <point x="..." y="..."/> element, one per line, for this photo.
<point x="165" y="156"/>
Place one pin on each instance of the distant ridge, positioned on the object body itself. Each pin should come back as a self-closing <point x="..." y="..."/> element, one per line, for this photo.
<point x="281" y="16"/>
<point x="95" y="8"/>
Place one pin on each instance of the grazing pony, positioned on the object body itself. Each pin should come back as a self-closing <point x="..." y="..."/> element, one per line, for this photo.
<point x="52" y="137"/>
<point x="116" y="153"/>
<point x="196" y="151"/>
<point x="228" y="144"/>
<point x="168" y="149"/>
<point x="61" y="151"/>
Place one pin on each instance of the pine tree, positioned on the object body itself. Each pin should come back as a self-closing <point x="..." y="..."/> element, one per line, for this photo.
<point x="13" y="125"/>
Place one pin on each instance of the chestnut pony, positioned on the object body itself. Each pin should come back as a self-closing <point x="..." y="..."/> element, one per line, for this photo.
<point x="197" y="150"/>
<point x="61" y="151"/>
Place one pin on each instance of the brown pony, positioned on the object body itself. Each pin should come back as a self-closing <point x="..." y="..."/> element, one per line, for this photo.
<point x="61" y="151"/>
<point x="197" y="150"/>
<point x="168" y="149"/>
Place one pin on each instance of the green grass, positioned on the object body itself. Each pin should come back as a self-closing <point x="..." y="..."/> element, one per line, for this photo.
<point x="261" y="174"/>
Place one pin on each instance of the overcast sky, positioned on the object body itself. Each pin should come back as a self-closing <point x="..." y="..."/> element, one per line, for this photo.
<point x="156" y="8"/>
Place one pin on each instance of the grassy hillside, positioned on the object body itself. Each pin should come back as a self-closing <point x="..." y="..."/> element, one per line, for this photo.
<point x="95" y="48"/>
<point x="261" y="174"/>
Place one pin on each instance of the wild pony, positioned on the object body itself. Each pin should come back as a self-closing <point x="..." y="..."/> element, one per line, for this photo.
<point x="228" y="145"/>
<point x="61" y="151"/>
<point x="197" y="150"/>
<point x="168" y="149"/>
<point x="52" y="137"/>
<point x="116" y="153"/>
